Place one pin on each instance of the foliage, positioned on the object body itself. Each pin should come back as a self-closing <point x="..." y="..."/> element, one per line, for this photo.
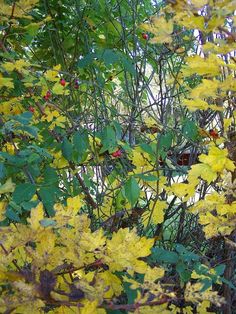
<point x="117" y="162"/>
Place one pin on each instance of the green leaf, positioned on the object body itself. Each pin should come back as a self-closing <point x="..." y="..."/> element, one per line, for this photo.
<point x="2" y="170"/>
<point x="31" y="130"/>
<point x="184" y="274"/>
<point x="190" y="130"/>
<point x="18" y="161"/>
<point x="12" y="215"/>
<point x="108" y="139"/>
<point x="207" y="283"/>
<point x="48" y="196"/>
<point x="109" y="57"/>
<point x="147" y="148"/>
<point x="132" y="190"/>
<point x="41" y="151"/>
<point x="148" y="177"/>
<point x="80" y="145"/>
<point x="27" y="206"/>
<point x="23" y="118"/>
<point x="186" y="255"/>
<point x="67" y="149"/>
<point x="128" y="65"/>
<point x="165" y="142"/>
<point x="220" y="269"/>
<point x="87" y="60"/>
<point x="165" y="256"/>
<point x="229" y="283"/>
<point x="23" y="192"/>
<point x="50" y="176"/>
<point x="131" y="294"/>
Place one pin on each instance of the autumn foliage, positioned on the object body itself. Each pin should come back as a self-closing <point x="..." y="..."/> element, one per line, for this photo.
<point x="117" y="161"/>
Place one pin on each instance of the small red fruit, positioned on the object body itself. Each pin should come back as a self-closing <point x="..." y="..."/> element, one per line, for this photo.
<point x="117" y="153"/>
<point x="31" y="109"/>
<point x="213" y="133"/>
<point x="48" y="95"/>
<point x="63" y="82"/>
<point x="145" y="36"/>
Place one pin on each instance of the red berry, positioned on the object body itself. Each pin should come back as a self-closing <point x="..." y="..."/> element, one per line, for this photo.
<point x="63" y="82"/>
<point x="145" y="36"/>
<point x="117" y="153"/>
<point x="48" y="95"/>
<point x="213" y="133"/>
<point x="31" y="109"/>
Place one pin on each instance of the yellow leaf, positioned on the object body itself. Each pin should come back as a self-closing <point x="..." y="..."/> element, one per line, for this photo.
<point x="17" y="65"/>
<point x="9" y="66"/>
<point x="153" y="274"/>
<point x="52" y="75"/>
<point x="199" y="3"/>
<point x="217" y="159"/>
<point x="203" y="66"/>
<point x="161" y="28"/>
<point x="113" y="285"/>
<point x="89" y="307"/>
<point x="202" y="307"/>
<point x="189" y="21"/>
<point x="3" y="205"/>
<point x="185" y="190"/>
<point x="207" y="88"/>
<point x="36" y="215"/>
<point x="74" y="204"/>
<point x="50" y="114"/>
<point x="7" y="187"/>
<point x="202" y="170"/>
<point x="6" y="82"/>
<point x="195" y="104"/>
<point x="124" y="250"/>
<point x="158" y="211"/>
<point x="58" y="89"/>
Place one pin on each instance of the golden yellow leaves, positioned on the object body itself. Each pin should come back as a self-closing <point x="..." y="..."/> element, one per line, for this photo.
<point x="36" y="215"/>
<point x="216" y="215"/>
<point x="183" y="190"/>
<point x="3" y="205"/>
<point x="157" y="212"/>
<point x="124" y="249"/>
<point x="74" y="203"/>
<point x="208" y="88"/>
<point x="199" y="3"/>
<point x="194" y="293"/>
<point x="55" y="117"/>
<point x="202" y="170"/>
<point x="195" y="104"/>
<point x="59" y="161"/>
<point x="112" y="284"/>
<point x="160" y="28"/>
<point x="199" y="104"/>
<point x="189" y="20"/>
<point x="152" y="274"/>
<point x="217" y="159"/>
<point x="58" y="89"/>
<point x="6" y="82"/>
<point x="52" y="75"/>
<point x="20" y="8"/>
<point x="12" y="106"/>
<point x="18" y="65"/>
